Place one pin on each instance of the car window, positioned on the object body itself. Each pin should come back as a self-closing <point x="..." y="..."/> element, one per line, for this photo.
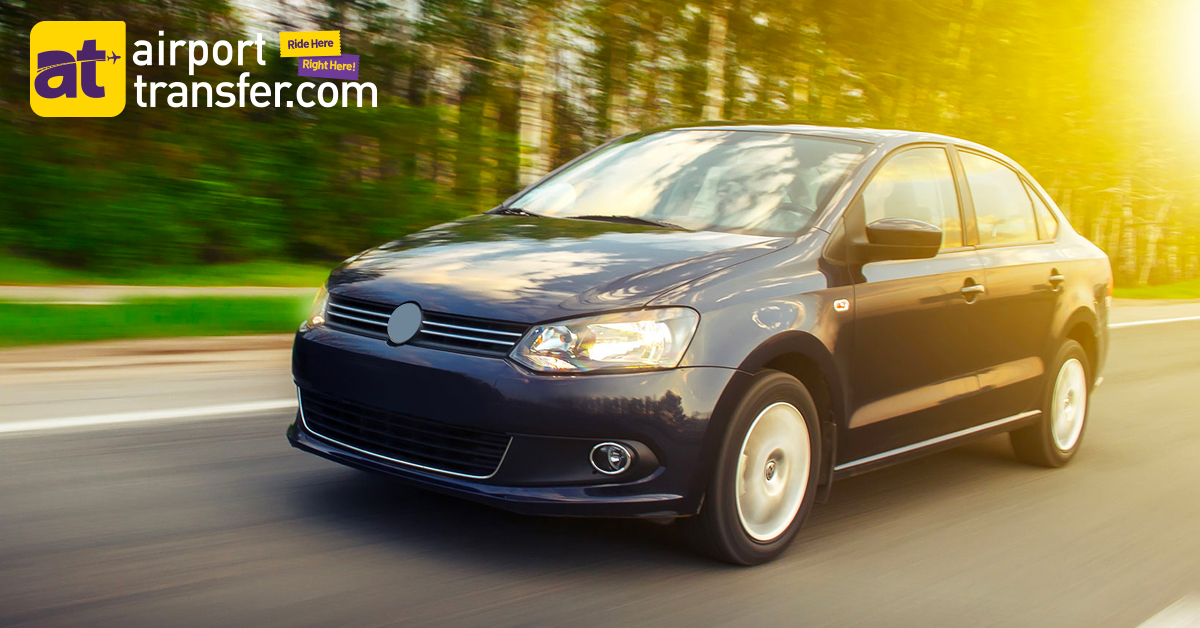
<point x="916" y="184"/>
<point x="741" y="181"/>
<point x="1003" y="211"/>
<point x="1047" y="223"/>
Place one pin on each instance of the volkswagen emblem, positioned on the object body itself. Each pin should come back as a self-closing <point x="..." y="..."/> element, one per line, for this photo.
<point x="404" y="323"/>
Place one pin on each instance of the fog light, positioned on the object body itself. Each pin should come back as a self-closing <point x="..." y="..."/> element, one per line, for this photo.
<point x="611" y="458"/>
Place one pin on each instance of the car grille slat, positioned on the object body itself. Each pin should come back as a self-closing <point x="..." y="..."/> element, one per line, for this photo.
<point x="474" y="329"/>
<point x="347" y="308"/>
<point x="368" y="319"/>
<point x="405" y="439"/>
<point x="361" y="320"/>
<point x="470" y="335"/>
<point x="450" y="332"/>
<point x="442" y="334"/>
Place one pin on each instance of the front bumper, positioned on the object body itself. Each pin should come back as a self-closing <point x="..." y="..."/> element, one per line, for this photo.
<point x="672" y="418"/>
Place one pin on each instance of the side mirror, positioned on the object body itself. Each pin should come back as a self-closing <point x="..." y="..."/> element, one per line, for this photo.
<point x="902" y="238"/>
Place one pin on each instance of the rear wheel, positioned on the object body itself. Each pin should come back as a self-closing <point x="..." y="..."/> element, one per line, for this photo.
<point x="764" y="482"/>
<point x="1055" y="438"/>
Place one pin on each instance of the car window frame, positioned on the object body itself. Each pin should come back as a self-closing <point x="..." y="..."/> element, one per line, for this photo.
<point x="856" y="205"/>
<point x="1025" y="183"/>
<point x="1036" y="198"/>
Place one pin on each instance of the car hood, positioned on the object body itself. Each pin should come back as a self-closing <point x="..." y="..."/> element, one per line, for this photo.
<point x="529" y="269"/>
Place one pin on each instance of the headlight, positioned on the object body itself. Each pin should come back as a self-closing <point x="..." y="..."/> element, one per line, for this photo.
<point x="316" y="316"/>
<point x="645" y="339"/>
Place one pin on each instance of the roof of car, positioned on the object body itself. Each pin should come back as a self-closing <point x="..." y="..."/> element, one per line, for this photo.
<point x="859" y="134"/>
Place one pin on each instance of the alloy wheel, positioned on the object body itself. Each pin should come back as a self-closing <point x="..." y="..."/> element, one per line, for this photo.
<point x="772" y="472"/>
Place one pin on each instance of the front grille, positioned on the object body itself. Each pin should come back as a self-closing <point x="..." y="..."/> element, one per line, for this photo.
<point x="474" y="335"/>
<point x="438" y="331"/>
<point x="360" y="317"/>
<point x="401" y="438"/>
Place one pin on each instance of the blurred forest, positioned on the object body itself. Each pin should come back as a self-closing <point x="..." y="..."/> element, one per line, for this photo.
<point x="1097" y="98"/>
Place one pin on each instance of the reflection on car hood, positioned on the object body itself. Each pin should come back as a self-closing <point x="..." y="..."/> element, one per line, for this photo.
<point x="529" y="269"/>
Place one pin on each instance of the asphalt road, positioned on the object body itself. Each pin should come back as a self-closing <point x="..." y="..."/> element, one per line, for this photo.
<point x="219" y="522"/>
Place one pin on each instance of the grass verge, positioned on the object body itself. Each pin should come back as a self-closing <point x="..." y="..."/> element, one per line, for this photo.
<point x="1189" y="289"/>
<point x="34" y="323"/>
<point x="23" y="271"/>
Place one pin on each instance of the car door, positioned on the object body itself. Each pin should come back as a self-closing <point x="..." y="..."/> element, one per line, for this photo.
<point x="915" y="323"/>
<point x="1025" y="273"/>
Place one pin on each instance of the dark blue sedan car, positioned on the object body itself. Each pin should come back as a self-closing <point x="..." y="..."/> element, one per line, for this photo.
<point x="712" y="323"/>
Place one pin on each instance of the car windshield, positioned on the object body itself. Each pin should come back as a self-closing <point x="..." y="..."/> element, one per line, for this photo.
<point x="742" y="181"/>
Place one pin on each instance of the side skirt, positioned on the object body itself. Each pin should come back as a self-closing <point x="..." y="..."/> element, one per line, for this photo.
<point x="939" y="443"/>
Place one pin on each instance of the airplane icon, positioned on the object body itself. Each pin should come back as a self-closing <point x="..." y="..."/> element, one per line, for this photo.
<point x="113" y="58"/>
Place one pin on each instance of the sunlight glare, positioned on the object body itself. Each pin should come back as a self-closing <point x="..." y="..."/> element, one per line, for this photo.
<point x="1187" y="51"/>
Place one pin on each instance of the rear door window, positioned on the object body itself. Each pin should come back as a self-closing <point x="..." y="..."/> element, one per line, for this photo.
<point x="1003" y="211"/>
<point x="918" y="184"/>
<point x="1047" y="223"/>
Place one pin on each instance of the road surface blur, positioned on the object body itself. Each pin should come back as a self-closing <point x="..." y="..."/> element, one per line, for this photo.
<point x="216" y="521"/>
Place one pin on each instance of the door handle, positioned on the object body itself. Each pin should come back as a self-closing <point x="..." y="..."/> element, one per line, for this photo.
<point x="1056" y="281"/>
<point x="970" y="292"/>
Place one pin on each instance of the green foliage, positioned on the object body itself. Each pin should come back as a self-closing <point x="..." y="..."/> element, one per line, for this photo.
<point x="26" y="323"/>
<point x="214" y="189"/>
<point x="1181" y="290"/>
<point x="26" y="271"/>
<point x="1083" y="94"/>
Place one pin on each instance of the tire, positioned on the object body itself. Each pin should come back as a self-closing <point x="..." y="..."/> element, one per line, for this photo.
<point x="1066" y="402"/>
<point x="778" y="475"/>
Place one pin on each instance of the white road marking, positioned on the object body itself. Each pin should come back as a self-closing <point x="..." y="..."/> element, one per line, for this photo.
<point x="1153" y="322"/>
<point x="233" y="409"/>
<point x="1182" y="614"/>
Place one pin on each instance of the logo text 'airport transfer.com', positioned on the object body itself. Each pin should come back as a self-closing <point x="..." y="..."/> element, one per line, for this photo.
<point x="77" y="69"/>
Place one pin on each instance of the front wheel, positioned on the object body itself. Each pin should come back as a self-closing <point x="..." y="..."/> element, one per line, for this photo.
<point x="1054" y="439"/>
<point x="764" y="481"/>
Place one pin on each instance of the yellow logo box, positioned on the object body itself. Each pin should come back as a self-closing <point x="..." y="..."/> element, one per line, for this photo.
<point x="310" y="44"/>
<point x="77" y="69"/>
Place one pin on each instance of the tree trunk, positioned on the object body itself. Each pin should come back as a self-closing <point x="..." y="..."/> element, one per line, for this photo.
<point x="962" y="64"/>
<point x="1173" y="270"/>
<point x="800" y="90"/>
<point x="1068" y="207"/>
<point x="470" y="149"/>
<point x="651" y="114"/>
<point x="446" y="110"/>
<point x="1112" y="230"/>
<point x="1128" y="241"/>
<point x="1098" y="226"/>
<point x="534" y="78"/>
<point x="1152" y="239"/>
<point x="618" y="98"/>
<point x="714" y="95"/>
<point x="832" y="89"/>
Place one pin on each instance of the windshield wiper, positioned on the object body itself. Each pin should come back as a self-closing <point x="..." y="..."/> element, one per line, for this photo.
<point x="631" y="220"/>
<point x="513" y="211"/>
